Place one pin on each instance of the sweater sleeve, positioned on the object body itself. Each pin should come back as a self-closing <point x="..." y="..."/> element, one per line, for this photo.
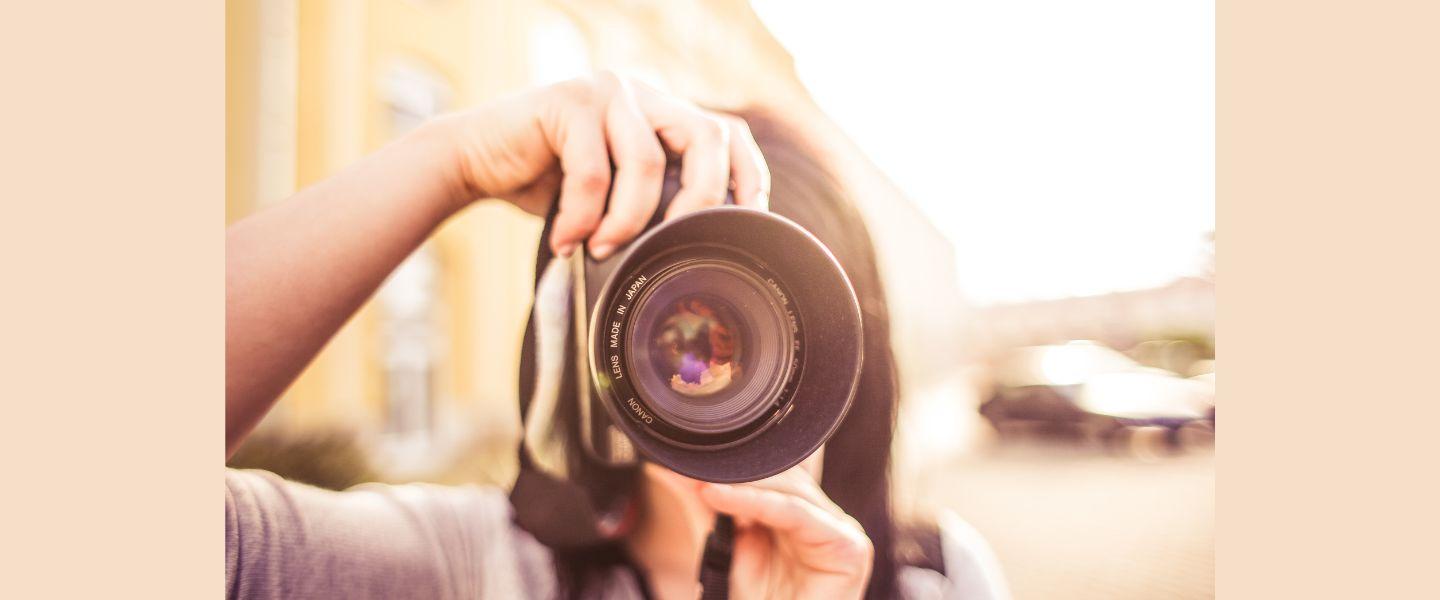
<point x="288" y="540"/>
<point x="970" y="563"/>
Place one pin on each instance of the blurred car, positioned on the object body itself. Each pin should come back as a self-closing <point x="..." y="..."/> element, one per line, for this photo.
<point x="1083" y="390"/>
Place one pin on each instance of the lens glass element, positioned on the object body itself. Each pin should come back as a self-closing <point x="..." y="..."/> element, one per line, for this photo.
<point x="698" y="342"/>
<point x="710" y="347"/>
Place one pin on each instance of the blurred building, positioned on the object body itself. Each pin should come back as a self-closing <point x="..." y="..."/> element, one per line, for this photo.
<point x="1184" y="308"/>
<point x="428" y="366"/>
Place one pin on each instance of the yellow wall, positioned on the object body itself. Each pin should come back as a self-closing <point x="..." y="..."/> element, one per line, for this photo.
<point x="304" y="100"/>
<point x="241" y="55"/>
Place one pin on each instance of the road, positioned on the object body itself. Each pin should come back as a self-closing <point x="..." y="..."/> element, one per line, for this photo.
<point x="1079" y="524"/>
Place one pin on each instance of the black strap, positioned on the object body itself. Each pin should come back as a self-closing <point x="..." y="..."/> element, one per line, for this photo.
<point x="715" y="562"/>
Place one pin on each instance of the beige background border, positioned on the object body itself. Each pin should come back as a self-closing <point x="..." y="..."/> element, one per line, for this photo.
<point x="111" y="323"/>
<point x="1328" y="179"/>
<point x="111" y="330"/>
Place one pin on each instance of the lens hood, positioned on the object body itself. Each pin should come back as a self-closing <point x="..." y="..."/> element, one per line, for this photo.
<point x="787" y="296"/>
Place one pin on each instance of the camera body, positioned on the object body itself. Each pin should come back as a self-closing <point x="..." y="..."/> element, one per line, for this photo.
<point x="724" y="344"/>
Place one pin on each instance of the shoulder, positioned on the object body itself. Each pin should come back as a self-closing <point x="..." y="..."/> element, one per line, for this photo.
<point x="950" y="559"/>
<point x="481" y="527"/>
<point x="378" y="540"/>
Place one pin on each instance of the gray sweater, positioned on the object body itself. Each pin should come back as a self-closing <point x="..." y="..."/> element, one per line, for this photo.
<point x="288" y="540"/>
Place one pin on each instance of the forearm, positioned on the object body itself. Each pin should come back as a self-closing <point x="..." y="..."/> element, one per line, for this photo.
<point x="296" y="272"/>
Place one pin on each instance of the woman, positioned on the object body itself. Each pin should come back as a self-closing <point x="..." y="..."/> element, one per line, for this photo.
<point x="296" y="272"/>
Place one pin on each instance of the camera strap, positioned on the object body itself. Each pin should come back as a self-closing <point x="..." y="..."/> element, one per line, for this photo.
<point x="715" y="562"/>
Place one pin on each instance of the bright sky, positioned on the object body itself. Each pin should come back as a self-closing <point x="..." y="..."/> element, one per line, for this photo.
<point x="1064" y="147"/>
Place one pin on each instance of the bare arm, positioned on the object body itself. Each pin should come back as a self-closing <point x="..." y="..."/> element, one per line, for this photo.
<point x="297" y="271"/>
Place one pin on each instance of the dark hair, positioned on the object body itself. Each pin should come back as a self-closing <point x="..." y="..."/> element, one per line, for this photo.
<point x="857" y="458"/>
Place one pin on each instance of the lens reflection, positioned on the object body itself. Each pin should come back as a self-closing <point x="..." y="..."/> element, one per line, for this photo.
<point x="711" y="347"/>
<point x="698" y="345"/>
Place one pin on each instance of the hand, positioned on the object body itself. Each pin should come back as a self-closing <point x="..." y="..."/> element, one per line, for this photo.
<point x="791" y="541"/>
<point x="567" y="138"/>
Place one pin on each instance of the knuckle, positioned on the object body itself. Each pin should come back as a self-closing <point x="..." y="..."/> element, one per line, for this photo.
<point x="712" y="129"/>
<point x="650" y="163"/>
<point x="866" y="547"/>
<point x="581" y="91"/>
<point x="857" y="549"/>
<point x="607" y="77"/>
<point x="708" y="130"/>
<point x="592" y="181"/>
<point x="574" y="89"/>
<point x="737" y="125"/>
<point x="792" y="503"/>
<point x="607" y="84"/>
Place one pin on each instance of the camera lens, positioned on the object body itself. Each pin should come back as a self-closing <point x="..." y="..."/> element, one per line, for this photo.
<point x="709" y="347"/>
<point x="725" y="344"/>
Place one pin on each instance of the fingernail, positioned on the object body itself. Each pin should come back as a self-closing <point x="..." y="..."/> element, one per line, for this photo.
<point x="565" y="249"/>
<point x="602" y="251"/>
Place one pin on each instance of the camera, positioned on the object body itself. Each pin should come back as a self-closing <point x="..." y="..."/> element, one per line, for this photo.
<point x="724" y="344"/>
